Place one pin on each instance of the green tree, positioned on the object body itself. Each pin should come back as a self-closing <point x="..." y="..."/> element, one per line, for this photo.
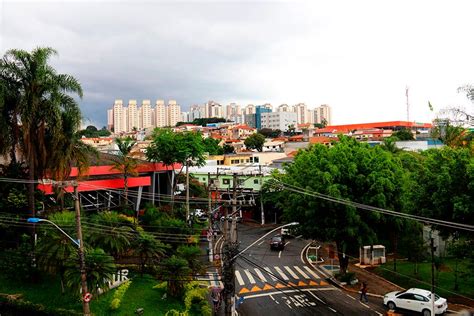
<point x="124" y="163"/>
<point x="389" y="144"/>
<point x="349" y="170"/>
<point x="403" y="134"/>
<point x="228" y="149"/>
<point x="148" y="249"/>
<point x="270" y="133"/>
<point x="177" y="273"/>
<point x="212" y="147"/>
<point x="44" y="95"/>
<point x="255" y="141"/>
<point x="192" y="255"/>
<point x="111" y="232"/>
<point x="99" y="269"/>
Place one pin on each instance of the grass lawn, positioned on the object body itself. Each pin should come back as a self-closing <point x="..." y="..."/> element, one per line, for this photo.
<point x="140" y="294"/>
<point x="444" y="280"/>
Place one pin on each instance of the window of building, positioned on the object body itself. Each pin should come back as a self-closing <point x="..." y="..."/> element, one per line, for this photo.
<point x="255" y="181"/>
<point x="256" y="159"/>
<point x="226" y="181"/>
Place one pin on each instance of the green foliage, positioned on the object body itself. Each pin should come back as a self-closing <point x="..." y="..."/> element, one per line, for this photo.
<point x="403" y="134"/>
<point x="92" y="132"/>
<point x="210" y="120"/>
<point x="161" y="285"/>
<point x="99" y="269"/>
<point x="174" y="312"/>
<point x="148" y="249"/>
<point x="13" y="306"/>
<point x="124" y="163"/>
<point x="212" y="147"/>
<point x="348" y="170"/>
<point x="347" y="277"/>
<point x="255" y="141"/>
<point x="270" y="133"/>
<point x="228" y="149"/>
<point x="119" y="294"/>
<point x="195" y="299"/>
<point x="17" y="263"/>
<point x="177" y="272"/>
<point x="192" y="255"/>
<point x="17" y="198"/>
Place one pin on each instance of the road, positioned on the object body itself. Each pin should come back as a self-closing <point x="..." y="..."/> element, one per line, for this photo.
<point x="280" y="283"/>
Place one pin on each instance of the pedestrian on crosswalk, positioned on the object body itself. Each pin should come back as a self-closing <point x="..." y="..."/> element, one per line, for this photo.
<point x="363" y="292"/>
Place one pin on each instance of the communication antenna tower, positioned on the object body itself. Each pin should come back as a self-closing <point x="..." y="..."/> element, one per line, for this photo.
<point x="408" y="104"/>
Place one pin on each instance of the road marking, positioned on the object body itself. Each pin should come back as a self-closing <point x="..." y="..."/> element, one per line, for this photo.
<point x="301" y="272"/>
<point x="291" y="272"/>
<point x="335" y="310"/>
<point x="249" y="276"/>
<point x="270" y="273"/>
<point x="311" y="272"/>
<point x="314" y="295"/>
<point x="279" y="292"/>
<point x="255" y="289"/>
<point x="351" y="297"/>
<point x="378" y="313"/>
<point x="365" y="304"/>
<point x="281" y="273"/>
<point x="286" y="243"/>
<point x="279" y="254"/>
<point x="260" y="275"/>
<point x="239" y="278"/>
<point x="261" y="243"/>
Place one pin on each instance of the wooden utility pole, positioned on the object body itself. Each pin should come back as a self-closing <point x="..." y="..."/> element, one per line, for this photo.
<point x="432" y="273"/>
<point x="210" y="232"/>
<point x="82" y="263"/>
<point x="262" y="211"/>
<point x="187" y="192"/>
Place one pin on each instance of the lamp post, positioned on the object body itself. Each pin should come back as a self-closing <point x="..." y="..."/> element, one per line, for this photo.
<point x="80" y="246"/>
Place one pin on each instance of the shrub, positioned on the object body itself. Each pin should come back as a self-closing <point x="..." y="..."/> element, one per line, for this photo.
<point x="347" y="277"/>
<point x="174" y="312"/>
<point x="118" y="295"/>
<point x="161" y="285"/>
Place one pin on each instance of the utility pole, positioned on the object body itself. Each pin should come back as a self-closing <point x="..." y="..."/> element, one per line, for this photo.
<point x="187" y="191"/>
<point x="77" y="206"/>
<point x="262" y="211"/>
<point x="432" y="273"/>
<point x="210" y="233"/>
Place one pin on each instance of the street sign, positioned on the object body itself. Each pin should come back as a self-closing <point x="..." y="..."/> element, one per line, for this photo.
<point x="87" y="297"/>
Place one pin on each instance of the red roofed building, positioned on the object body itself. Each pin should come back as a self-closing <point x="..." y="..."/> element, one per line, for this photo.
<point x="242" y="131"/>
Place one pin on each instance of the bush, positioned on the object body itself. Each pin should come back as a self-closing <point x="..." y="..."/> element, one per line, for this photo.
<point x="161" y="285"/>
<point x="195" y="299"/>
<point x="174" y="312"/>
<point x="115" y="304"/>
<point x="118" y="295"/>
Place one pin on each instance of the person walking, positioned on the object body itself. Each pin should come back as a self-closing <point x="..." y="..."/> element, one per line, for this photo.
<point x="363" y="292"/>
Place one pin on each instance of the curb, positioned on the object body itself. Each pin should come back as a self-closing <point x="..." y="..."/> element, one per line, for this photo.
<point x="379" y="277"/>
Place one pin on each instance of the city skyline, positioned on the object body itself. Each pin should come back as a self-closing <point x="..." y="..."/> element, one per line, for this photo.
<point x="359" y="60"/>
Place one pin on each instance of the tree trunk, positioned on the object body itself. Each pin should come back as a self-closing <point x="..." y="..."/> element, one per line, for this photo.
<point x="31" y="185"/>
<point x="343" y="259"/>
<point x="125" y="186"/>
<point x="395" y="251"/>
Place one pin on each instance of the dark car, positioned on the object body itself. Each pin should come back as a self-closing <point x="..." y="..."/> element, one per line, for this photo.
<point x="277" y="243"/>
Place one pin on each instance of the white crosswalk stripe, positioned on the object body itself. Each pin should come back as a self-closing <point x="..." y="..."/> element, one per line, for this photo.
<point x="281" y="273"/>
<point x="301" y="272"/>
<point x="270" y="273"/>
<point x="260" y="275"/>
<point x="239" y="278"/>
<point x="249" y="276"/>
<point x="293" y="275"/>
<point x="311" y="272"/>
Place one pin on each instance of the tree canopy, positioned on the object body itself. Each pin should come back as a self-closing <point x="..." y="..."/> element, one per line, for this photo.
<point x="348" y="170"/>
<point x="255" y="141"/>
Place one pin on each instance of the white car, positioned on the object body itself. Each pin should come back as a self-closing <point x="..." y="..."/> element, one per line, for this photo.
<point x="417" y="300"/>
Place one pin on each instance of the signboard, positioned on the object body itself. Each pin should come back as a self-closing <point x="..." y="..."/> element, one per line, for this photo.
<point x="87" y="297"/>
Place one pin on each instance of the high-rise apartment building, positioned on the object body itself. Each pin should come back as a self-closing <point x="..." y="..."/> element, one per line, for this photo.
<point x="233" y="113"/>
<point x="249" y="109"/>
<point x="160" y="114"/>
<point x="214" y="109"/>
<point x="119" y="117"/>
<point x="301" y="113"/>
<point x="324" y="113"/>
<point x="110" y="119"/>
<point x="173" y="113"/>
<point x="145" y="115"/>
<point x="132" y="116"/>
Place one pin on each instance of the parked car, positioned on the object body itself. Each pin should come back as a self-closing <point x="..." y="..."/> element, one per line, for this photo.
<point x="277" y="243"/>
<point x="199" y="213"/>
<point x="229" y="218"/>
<point x="291" y="230"/>
<point x="414" y="299"/>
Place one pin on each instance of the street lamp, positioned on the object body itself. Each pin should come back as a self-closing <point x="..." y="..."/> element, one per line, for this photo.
<point x="34" y="220"/>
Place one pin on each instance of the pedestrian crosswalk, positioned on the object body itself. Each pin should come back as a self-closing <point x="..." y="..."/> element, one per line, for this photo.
<point x="274" y="274"/>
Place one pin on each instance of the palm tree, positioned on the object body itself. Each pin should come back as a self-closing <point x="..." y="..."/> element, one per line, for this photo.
<point x="111" y="233"/>
<point x="99" y="269"/>
<point x="389" y="144"/>
<point x="176" y="272"/>
<point x="9" y="129"/>
<point x="148" y="249"/>
<point x="44" y="95"/>
<point x="54" y="248"/>
<point x="124" y="163"/>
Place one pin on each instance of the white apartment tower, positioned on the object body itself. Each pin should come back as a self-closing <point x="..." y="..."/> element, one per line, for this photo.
<point x="132" y="115"/>
<point x="324" y="113"/>
<point x="301" y="113"/>
<point x="110" y="119"/>
<point x="174" y="113"/>
<point x="250" y="109"/>
<point x="145" y="115"/>
<point x="160" y="114"/>
<point x="119" y="117"/>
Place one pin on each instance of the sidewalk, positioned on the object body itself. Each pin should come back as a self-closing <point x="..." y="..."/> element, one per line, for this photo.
<point x="377" y="285"/>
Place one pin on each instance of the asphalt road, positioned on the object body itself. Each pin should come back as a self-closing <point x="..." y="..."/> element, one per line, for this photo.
<point x="280" y="283"/>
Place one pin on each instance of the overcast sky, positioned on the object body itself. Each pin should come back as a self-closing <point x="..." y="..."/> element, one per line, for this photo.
<point x="356" y="56"/>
